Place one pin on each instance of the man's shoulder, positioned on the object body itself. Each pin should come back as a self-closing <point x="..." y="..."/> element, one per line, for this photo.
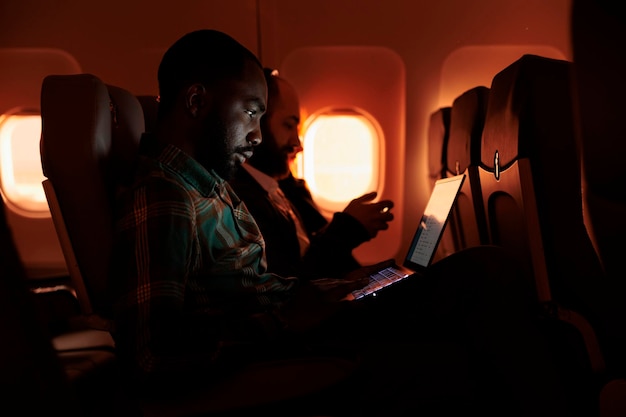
<point x="156" y="183"/>
<point x="244" y="185"/>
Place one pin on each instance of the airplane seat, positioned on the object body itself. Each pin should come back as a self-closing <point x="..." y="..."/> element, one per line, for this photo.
<point x="36" y="378"/>
<point x="126" y="129"/>
<point x="613" y="398"/>
<point x="598" y="35"/>
<point x="90" y="329"/>
<point x="530" y="177"/>
<point x="150" y="106"/>
<point x="75" y="162"/>
<point x="80" y="119"/>
<point x="438" y="134"/>
<point x="127" y="126"/>
<point x="598" y="39"/>
<point x="467" y="224"/>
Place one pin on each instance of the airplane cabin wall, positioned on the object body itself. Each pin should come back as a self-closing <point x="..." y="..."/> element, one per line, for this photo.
<point x="122" y="43"/>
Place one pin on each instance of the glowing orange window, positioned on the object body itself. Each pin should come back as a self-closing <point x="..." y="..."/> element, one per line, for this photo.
<point x="20" y="164"/>
<point x="342" y="158"/>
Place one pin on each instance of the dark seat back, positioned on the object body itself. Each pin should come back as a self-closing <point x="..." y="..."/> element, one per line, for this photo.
<point x="32" y="379"/>
<point x="90" y="139"/>
<point x="467" y="223"/>
<point x="530" y="179"/>
<point x="599" y="39"/>
<point x="438" y="134"/>
<point x="598" y="44"/>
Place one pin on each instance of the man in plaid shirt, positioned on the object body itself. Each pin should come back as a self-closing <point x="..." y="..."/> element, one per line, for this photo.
<point x="195" y="303"/>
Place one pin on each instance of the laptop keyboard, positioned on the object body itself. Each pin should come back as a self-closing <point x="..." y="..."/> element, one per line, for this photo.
<point x="379" y="280"/>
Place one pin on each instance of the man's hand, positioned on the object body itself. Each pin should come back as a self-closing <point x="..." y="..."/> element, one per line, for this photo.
<point x="317" y="300"/>
<point x="373" y="216"/>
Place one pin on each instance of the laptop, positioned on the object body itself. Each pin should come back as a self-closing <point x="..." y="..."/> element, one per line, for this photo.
<point x="425" y="240"/>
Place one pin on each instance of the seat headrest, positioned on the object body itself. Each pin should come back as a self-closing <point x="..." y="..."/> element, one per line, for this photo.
<point x="467" y="120"/>
<point x="529" y="99"/>
<point x="438" y="134"/>
<point x="127" y="126"/>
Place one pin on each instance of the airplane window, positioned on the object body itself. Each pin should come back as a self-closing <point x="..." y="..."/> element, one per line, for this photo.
<point x="20" y="164"/>
<point x="341" y="158"/>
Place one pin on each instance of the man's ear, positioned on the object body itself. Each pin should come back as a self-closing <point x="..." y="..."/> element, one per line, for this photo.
<point x="195" y="98"/>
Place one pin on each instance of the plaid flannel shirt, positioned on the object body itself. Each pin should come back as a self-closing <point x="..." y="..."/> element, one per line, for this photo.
<point x="188" y="266"/>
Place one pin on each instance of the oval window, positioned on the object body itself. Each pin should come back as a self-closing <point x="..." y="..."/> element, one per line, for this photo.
<point x="20" y="164"/>
<point x="342" y="157"/>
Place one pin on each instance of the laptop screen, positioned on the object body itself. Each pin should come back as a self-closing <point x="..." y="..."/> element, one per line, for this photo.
<point x="433" y="221"/>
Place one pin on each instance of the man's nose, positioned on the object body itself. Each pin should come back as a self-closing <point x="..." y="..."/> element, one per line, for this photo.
<point x="295" y="144"/>
<point x="254" y="138"/>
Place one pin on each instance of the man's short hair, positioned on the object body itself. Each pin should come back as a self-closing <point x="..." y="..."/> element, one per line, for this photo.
<point x="205" y="56"/>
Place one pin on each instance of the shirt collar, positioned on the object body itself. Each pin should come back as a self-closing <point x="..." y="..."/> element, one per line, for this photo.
<point x="175" y="159"/>
<point x="268" y="183"/>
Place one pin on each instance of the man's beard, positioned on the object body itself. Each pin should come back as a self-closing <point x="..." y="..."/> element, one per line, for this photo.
<point x="270" y="159"/>
<point x="215" y="151"/>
